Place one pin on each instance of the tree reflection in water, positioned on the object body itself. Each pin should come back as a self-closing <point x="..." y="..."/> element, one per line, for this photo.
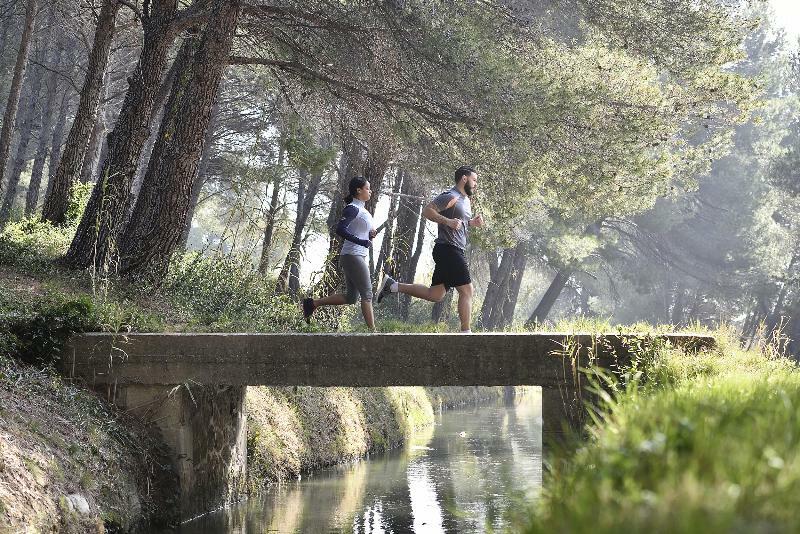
<point x="466" y="474"/>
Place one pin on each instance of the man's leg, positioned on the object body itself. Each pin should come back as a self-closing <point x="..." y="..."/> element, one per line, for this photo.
<point x="432" y="294"/>
<point x="465" y="306"/>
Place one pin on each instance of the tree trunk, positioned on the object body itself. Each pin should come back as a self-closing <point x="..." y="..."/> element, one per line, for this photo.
<point x="10" y="115"/>
<point x="93" y="148"/>
<point x="160" y="213"/>
<point x="550" y="296"/>
<point x="375" y="168"/>
<point x="57" y="142"/>
<point x="676" y="317"/>
<point x="25" y="131"/>
<point x="202" y="174"/>
<point x="407" y="219"/>
<point x="497" y="291"/>
<point x="410" y="272"/>
<point x="289" y="277"/>
<point x="45" y="135"/>
<point x="269" y="230"/>
<point x="69" y="166"/>
<point x="102" y="221"/>
<point x="510" y="305"/>
<point x="388" y="234"/>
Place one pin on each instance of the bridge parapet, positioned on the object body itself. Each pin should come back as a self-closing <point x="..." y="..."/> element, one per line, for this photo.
<point x="192" y="386"/>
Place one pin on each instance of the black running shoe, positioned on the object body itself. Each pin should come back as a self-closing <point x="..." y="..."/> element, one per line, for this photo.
<point x="308" y="309"/>
<point x="386" y="288"/>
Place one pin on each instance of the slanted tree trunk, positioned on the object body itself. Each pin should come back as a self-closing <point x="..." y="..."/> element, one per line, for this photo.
<point x="10" y="115"/>
<point x="57" y="143"/>
<point x="550" y="296"/>
<point x="25" y="132"/>
<point x="158" y="219"/>
<point x="45" y="135"/>
<point x="272" y="212"/>
<point x="69" y="166"/>
<point x="102" y="221"/>
<point x="542" y="309"/>
<point x="289" y="277"/>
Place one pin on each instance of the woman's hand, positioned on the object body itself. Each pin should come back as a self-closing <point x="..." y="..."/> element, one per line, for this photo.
<point x="373" y="233"/>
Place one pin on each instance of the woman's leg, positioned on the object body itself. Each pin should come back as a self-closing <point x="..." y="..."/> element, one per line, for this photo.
<point x="366" y="311"/>
<point x="331" y="300"/>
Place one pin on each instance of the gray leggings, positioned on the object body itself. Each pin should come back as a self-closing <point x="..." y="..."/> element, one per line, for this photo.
<point x="356" y="276"/>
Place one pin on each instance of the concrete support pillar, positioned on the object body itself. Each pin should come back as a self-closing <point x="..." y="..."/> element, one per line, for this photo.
<point x="205" y="428"/>
<point x="562" y="412"/>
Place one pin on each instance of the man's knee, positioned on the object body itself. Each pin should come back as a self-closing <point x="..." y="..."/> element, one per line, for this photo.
<point x="465" y="290"/>
<point x="437" y="293"/>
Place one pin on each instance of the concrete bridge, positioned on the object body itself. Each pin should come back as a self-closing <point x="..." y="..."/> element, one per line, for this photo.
<point x="192" y="386"/>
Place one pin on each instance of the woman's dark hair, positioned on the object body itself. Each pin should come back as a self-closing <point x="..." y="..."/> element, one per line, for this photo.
<point x="464" y="170"/>
<point x="355" y="184"/>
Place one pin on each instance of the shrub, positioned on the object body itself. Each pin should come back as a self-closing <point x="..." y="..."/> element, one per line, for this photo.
<point x="38" y="333"/>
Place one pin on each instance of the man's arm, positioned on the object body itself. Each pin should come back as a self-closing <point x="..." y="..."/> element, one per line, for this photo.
<point x="431" y="212"/>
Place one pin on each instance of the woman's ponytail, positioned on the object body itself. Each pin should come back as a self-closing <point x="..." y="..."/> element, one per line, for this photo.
<point x="355" y="184"/>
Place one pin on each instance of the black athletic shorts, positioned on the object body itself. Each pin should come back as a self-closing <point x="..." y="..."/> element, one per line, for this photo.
<point x="451" y="266"/>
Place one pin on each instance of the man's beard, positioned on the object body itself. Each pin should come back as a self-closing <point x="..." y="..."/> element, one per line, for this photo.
<point x="468" y="189"/>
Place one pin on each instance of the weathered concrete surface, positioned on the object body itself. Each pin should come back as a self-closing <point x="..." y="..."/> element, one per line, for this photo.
<point x="492" y="359"/>
<point x="205" y="428"/>
<point x="192" y="386"/>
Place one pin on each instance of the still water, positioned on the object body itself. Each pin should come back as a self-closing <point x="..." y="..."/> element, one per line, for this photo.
<point x="465" y="474"/>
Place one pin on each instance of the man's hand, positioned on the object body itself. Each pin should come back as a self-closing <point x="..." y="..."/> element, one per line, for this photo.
<point x="476" y="221"/>
<point x="455" y="224"/>
<point x="373" y="233"/>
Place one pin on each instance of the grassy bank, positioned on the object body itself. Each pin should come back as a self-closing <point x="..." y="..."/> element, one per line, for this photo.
<point x="61" y="447"/>
<point x="696" y="443"/>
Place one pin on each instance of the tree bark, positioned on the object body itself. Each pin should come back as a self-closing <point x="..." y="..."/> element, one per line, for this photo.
<point x="160" y="213"/>
<point x="69" y="166"/>
<point x="497" y="290"/>
<point x="10" y="115"/>
<point x="45" y="135"/>
<point x="57" y="142"/>
<point x="25" y="132"/>
<point x="98" y="232"/>
<point x="202" y="174"/>
<point x="93" y="148"/>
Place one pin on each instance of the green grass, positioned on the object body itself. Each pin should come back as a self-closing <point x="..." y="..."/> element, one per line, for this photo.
<point x="701" y="443"/>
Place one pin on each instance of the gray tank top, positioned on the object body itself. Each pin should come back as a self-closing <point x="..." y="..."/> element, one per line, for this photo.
<point x="462" y="209"/>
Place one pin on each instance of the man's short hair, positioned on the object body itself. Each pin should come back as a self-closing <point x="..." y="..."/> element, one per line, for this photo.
<point x="464" y="170"/>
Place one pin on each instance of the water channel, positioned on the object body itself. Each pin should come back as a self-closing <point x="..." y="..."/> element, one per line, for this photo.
<point x="466" y="474"/>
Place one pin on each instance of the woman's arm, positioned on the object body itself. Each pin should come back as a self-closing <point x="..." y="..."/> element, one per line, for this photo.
<point x="348" y="214"/>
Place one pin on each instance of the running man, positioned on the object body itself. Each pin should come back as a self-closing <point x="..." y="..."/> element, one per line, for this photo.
<point x="452" y="212"/>
<point x="357" y="229"/>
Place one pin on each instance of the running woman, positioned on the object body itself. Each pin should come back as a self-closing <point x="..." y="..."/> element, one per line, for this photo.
<point x="356" y="228"/>
<point x="452" y="212"/>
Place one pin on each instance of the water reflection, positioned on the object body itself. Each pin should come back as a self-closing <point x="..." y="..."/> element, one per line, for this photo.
<point x="466" y="474"/>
